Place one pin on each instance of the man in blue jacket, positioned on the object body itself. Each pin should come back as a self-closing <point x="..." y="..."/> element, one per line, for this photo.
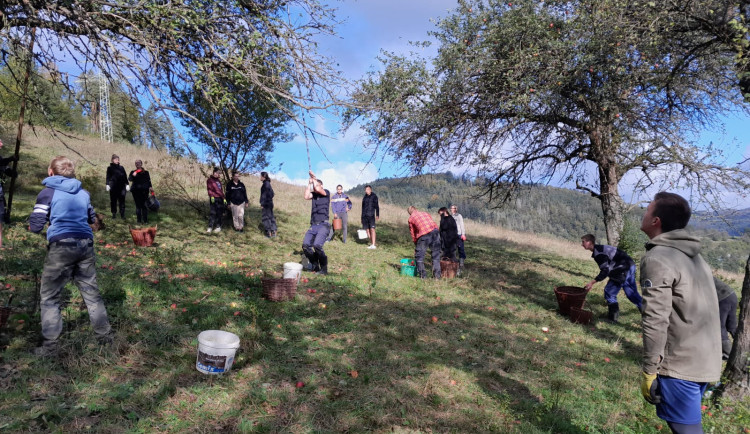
<point x="340" y="205"/>
<point x="70" y="253"/>
<point x="620" y="268"/>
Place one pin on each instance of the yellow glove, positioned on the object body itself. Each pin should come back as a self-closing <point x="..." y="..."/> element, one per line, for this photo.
<point x="648" y="388"/>
<point x="212" y="199"/>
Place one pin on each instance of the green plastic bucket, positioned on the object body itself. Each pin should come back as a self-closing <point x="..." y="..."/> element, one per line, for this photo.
<point x="407" y="267"/>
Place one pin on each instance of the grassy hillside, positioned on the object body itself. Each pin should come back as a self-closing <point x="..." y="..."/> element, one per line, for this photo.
<point x="371" y="350"/>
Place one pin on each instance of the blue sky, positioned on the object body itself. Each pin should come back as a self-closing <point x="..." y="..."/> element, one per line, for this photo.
<point x="375" y="25"/>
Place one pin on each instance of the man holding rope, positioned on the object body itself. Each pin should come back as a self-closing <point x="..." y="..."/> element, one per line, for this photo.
<point x="316" y="236"/>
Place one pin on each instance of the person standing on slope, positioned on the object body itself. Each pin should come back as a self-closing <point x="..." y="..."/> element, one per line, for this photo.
<point x="370" y="213"/>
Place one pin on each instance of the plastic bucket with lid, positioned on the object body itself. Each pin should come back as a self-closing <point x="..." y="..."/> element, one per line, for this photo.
<point x="216" y="349"/>
<point x="292" y="270"/>
<point x="362" y="234"/>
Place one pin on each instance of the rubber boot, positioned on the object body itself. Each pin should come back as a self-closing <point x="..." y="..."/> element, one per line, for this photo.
<point x="726" y="348"/>
<point x="614" y="312"/>
<point x="460" y="267"/>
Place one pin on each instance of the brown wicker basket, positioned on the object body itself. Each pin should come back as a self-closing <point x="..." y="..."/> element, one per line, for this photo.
<point x="279" y="289"/>
<point x="570" y="296"/>
<point x="448" y="269"/>
<point x="143" y="237"/>
<point x="4" y="314"/>
<point x="580" y="316"/>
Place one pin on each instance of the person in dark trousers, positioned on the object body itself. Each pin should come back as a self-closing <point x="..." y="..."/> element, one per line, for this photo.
<point x="317" y="235"/>
<point x="620" y="268"/>
<point x="3" y="171"/>
<point x="680" y="321"/>
<point x="117" y="186"/>
<point x="140" y="187"/>
<point x="216" y="201"/>
<point x="461" y="237"/>
<point x="237" y="198"/>
<point x="70" y="253"/>
<point x="370" y="213"/>
<point x="266" y="205"/>
<point x="340" y="205"/>
<point x="448" y="234"/>
<point x="425" y="234"/>
<point x="727" y="315"/>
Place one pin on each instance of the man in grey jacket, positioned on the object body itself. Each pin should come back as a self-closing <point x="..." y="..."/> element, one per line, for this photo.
<point x="681" y="336"/>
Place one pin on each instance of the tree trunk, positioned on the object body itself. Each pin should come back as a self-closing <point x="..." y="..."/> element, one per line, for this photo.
<point x="737" y="372"/>
<point x="613" y="207"/>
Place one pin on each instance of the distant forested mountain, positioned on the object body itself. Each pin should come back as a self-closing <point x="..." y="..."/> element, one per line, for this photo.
<point x="559" y="212"/>
<point x="541" y="209"/>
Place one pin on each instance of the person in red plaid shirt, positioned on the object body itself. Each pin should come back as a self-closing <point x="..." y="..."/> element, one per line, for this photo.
<point x="424" y="233"/>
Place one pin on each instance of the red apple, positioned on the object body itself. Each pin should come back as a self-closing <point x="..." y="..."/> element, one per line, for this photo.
<point x="300" y="384"/>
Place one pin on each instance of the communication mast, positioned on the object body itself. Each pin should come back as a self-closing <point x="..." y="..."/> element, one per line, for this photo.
<point x="105" y="121"/>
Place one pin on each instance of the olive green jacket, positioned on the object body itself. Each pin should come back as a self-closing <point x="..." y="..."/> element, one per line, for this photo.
<point x="681" y="333"/>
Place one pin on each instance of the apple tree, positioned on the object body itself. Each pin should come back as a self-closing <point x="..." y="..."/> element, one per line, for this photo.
<point x="586" y="92"/>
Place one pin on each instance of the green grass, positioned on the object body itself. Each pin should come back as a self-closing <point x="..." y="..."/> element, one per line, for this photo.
<point x="372" y="359"/>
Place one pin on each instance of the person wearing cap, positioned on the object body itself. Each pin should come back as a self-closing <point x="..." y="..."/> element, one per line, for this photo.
<point x="424" y="233"/>
<point x="216" y="201"/>
<point x="4" y="170"/>
<point x="140" y="187"/>
<point x="117" y="186"/>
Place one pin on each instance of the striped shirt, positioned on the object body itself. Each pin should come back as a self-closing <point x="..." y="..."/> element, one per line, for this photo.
<point x="421" y="223"/>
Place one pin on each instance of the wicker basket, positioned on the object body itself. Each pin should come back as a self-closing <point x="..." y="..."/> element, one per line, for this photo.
<point x="570" y="296"/>
<point x="580" y="316"/>
<point x="143" y="237"/>
<point x="448" y="269"/>
<point x="279" y="289"/>
<point x="4" y="314"/>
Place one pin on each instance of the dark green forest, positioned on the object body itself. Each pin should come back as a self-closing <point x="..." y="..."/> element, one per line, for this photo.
<point x="558" y="212"/>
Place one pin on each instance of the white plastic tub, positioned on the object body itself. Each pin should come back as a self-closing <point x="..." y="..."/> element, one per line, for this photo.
<point x="292" y="270"/>
<point x="216" y="350"/>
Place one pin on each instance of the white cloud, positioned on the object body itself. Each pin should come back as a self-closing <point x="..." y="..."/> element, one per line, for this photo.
<point x="283" y="177"/>
<point x="348" y="175"/>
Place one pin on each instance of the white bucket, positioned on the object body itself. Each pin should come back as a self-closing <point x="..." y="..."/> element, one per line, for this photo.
<point x="362" y="234"/>
<point x="216" y="350"/>
<point x="292" y="270"/>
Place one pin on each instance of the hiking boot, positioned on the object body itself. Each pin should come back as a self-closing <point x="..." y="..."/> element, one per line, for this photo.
<point x="323" y="271"/>
<point x="613" y="313"/>
<point x="47" y="350"/>
<point x="105" y="340"/>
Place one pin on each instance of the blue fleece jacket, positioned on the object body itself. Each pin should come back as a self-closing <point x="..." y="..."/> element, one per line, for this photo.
<point x="67" y="208"/>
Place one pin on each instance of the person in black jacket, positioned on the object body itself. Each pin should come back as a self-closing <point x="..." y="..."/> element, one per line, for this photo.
<point x="448" y="234"/>
<point x="237" y="197"/>
<point x="140" y="187"/>
<point x="620" y="268"/>
<point x="266" y="204"/>
<point x="3" y="171"/>
<point x="117" y="186"/>
<point x="370" y="213"/>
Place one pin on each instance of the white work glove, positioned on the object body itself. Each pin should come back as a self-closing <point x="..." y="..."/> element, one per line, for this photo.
<point x="107" y="188"/>
<point x="127" y="187"/>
